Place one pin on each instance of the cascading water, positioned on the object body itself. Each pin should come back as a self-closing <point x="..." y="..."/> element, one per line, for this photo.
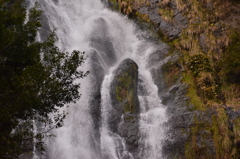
<point x="107" y="38"/>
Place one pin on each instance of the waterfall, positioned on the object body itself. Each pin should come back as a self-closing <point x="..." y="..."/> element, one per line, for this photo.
<point x="107" y="38"/>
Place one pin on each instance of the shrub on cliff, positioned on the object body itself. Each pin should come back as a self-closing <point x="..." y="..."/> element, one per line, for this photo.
<point x="199" y="63"/>
<point x="231" y="60"/>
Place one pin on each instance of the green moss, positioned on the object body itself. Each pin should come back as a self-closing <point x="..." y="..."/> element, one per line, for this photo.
<point x="129" y="118"/>
<point x="128" y="107"/>
<point x="124" y="89"/>
<point x="192" y="91"/>
<point x="225" y="141"/>
<point x="191" y="146"/>
<point x="222" y="135"/>
<point x="160" y="34"/>
<point x="189" y="154"/>
<point x="196" y="146"/>
<point x="216" y="137"/>
<point x="118" y="94"/>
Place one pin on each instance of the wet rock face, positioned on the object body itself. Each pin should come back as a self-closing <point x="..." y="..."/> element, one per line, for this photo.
<point x="25" y="156"/>
<point x="125" y="104"/>
<point x="102" y="56"/>
<point x="170" y="29"/>
<point x="96" y="78"/>
<point x="101" y="41"/>
<point x="124" y="87"/>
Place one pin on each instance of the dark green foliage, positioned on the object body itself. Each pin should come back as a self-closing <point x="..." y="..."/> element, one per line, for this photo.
<point x="231" y="60"/>
<point x="237" y="1"/>
<point x="36" y="78"/>
<point x="199" y="63"/>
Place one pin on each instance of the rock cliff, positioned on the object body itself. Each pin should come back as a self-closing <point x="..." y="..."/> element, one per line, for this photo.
<point x="194" y="79"/>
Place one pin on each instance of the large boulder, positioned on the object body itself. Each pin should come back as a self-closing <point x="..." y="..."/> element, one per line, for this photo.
<point x="125" y="104"/>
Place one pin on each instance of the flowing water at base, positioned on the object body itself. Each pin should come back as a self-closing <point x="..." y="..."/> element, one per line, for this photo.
<point x="107" y="38"/>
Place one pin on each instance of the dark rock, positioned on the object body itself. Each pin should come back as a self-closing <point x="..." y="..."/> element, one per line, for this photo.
<point x="142" y="87"/>
<point x="101" y="41"/>
<point x="232" y="116"/>
<point x="171" y="30"/>
<point x="125" y="104"/>
<point x="96" y="78"/>
<point x="180" y="19"/>
<point x="153" y="13"/>
<point x="154" y="1"/>
<point x="124" y="87"/>
<point x="184" y="123"/>
<point x="202" y="41"/>
<point x="157" y="74"/>
<point x="102" y="57"/>
<point x="25" y="156"/>
<point x="156" y="57"/>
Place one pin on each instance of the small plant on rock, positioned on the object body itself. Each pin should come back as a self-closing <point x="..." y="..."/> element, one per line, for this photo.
<point x="199" y="63"/>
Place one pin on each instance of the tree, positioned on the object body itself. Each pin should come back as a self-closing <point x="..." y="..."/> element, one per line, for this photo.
<point x="36" y="78"/>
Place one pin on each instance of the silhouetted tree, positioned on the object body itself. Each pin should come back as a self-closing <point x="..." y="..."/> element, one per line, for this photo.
<point x="36" y="78"/>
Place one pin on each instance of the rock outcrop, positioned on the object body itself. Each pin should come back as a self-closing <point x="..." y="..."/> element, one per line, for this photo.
<point x="169" y="29"/>
<point x="149" y="12"/>
<point x="123" y="119"/>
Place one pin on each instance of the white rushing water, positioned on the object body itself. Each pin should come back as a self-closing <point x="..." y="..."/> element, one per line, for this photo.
<point x="80" y="25"/>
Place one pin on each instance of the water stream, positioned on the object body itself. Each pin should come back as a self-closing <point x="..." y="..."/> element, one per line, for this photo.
<point x="107" y="38"/>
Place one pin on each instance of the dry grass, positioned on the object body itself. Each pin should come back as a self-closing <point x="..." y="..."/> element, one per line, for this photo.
<point x="232" y="94"/>
<point x="167" y="14"/>
<point x="233" y="18"/>
<point x="214" y="19"/>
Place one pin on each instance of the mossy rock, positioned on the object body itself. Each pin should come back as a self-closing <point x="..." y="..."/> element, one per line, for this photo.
<point x="123" y="118"/>
<point x="124" y="87"/>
